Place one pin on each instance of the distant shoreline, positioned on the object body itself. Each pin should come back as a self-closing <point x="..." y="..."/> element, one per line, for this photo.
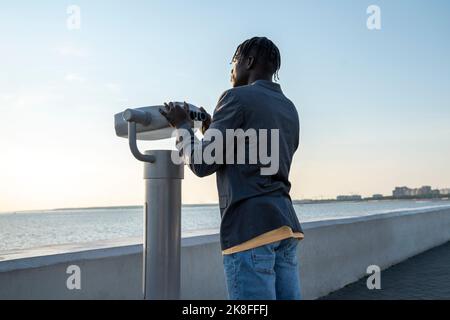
<point x="295" y="202"/>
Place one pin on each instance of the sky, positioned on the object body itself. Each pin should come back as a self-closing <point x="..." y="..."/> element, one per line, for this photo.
<point x="374" y="105"/>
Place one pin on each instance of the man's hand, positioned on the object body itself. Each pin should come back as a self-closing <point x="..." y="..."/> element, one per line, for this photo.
<point x="175" y="114"/>
<point x="206" y="123"/>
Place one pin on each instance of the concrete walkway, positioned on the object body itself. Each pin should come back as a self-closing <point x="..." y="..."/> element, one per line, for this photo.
<point x="425" y="276"/>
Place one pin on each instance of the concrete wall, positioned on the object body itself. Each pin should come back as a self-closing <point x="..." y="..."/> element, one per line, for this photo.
<point x="333" y="254"/>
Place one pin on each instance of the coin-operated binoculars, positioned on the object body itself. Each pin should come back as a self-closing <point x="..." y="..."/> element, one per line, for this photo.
<point x="162" y="208"/>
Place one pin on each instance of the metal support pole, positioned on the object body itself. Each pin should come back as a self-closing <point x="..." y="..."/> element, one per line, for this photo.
<point x="162" y="227"/>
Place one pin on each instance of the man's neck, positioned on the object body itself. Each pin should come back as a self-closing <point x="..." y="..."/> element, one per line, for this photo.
<point x="256" y="77"/>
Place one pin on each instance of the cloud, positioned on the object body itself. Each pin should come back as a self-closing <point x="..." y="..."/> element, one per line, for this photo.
<point x="113" y="87"/>
<point x="30" y="100"/>
<point x="73" y="77"/>
<point x="70" y="50"/>
<point x="6" y="97"/>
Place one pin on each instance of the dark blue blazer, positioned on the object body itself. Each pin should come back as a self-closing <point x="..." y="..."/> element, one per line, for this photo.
<point x="250" y="203"/>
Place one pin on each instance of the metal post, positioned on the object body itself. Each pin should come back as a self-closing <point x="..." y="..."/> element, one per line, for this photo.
<point x="162" y="212"/>
<point x="162" y="226"/>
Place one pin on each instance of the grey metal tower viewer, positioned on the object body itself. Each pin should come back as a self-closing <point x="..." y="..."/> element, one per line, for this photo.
<point x="162" y="208"/>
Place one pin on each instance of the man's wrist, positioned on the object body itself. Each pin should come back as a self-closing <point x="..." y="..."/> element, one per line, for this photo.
<point x="183" y="125"/>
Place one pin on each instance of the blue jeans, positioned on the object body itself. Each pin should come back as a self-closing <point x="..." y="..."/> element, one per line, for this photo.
<point x="268" y="272"/>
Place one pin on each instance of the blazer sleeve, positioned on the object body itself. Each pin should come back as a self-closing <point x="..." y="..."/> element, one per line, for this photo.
<point x="227" y="115"/>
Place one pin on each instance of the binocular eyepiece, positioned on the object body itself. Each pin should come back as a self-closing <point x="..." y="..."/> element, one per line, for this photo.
<point x="197" y="115"/>
<point x="150" y="123"/>
<point x="144" y="117"/>
<point x="138" y="116"/>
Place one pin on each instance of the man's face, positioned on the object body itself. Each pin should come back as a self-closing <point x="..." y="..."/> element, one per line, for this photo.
<point x="239" y="74"/>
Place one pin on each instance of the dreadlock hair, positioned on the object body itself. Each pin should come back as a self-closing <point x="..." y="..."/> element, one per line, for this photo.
<point x="266" y="53"/>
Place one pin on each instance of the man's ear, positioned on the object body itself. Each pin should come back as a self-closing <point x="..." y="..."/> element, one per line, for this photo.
<point x="250" y="62"/>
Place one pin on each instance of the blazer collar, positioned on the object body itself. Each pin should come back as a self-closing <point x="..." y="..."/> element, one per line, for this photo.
<point x="268" y="84"/>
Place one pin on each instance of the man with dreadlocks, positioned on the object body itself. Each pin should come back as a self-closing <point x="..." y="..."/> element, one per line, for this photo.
<point x="260" y="231"/>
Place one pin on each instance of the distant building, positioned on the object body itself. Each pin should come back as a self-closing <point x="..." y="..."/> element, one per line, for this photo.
<point x="377" y="196"/>
<point x="435" y="192"/>
<point x="349" y="198"/>
<point x="422" y="192"/>
<point x="401" y="192"/>
<point x="445" y="192"/>
<point x="425" y="190"/>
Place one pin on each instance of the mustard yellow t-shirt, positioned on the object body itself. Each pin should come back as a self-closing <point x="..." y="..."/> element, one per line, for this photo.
<point x="265" y="238"/>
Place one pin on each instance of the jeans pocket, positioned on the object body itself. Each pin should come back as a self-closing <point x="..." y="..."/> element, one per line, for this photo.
<point x="290" y="252"/>
<point x="263" y="259"/>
